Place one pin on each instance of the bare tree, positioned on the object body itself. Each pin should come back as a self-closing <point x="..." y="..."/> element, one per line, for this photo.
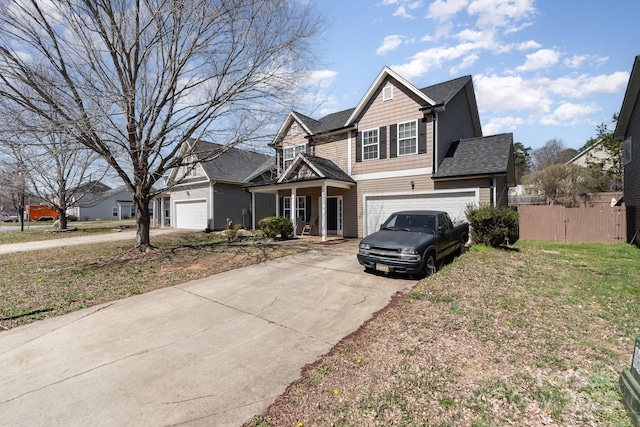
<point x="551" y="153"/>
<point x="54" y="168"/>
<point x="135" y="80"/>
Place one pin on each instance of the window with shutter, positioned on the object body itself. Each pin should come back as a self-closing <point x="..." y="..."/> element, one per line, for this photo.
<point x="370" y="144"/>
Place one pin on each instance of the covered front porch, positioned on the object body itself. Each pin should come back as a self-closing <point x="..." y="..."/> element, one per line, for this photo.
<point x="315" y="208"/>
<point x="311" y="192"/>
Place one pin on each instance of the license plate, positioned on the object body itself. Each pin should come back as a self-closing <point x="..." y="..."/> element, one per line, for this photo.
<point x="382" y="267"/>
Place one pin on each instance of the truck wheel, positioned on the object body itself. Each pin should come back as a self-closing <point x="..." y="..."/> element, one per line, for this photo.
<point x="430" y="266"/>
<point x="463" y="244"/>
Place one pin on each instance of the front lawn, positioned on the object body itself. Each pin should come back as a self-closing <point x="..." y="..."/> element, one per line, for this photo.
<point x="39" y="284"/>
<point x="43" y="230"/>
<point x="536" y="335"/>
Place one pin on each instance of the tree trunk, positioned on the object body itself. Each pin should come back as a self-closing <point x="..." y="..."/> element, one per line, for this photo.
<point x="62" y="218"/>
<point x="143" y="223"/>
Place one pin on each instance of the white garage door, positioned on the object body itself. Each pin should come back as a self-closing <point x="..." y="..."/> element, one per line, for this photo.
<point x="191" y="215"/>
<point x="378" y="208"/>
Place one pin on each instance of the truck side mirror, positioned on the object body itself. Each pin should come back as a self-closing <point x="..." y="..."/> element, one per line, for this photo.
<point x="440" y="229"/>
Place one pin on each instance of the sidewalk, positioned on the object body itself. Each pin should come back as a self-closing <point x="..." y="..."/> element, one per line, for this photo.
<point x="128" y="234"/>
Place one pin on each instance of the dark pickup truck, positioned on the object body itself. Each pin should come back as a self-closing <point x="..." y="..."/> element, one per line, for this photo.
<point x="413" y="242"/>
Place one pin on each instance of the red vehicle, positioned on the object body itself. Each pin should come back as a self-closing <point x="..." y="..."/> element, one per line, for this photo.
<point x="40" y="213"/>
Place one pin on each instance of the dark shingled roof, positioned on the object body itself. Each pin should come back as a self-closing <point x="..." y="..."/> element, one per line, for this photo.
<point x="235" y="165"/>
<point x="329" y="169"/>
<point x="327" y="123"/>
<point x="477" y="156"/>
<point x="442" y="92"/>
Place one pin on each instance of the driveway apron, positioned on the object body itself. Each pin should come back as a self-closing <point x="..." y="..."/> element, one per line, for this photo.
<point x="211" y="352"/>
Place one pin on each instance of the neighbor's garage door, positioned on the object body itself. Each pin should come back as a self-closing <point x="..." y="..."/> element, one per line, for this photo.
<point x="378" y="208"/>
<point x="191" y="215"/>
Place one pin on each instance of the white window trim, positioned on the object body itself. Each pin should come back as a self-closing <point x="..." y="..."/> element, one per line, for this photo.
<point x="377" y="144"/>
<point x="398" y="140"/>
<point x="294" y="129"/>
<point x="286" y="210"/>
<point x="295" y="150"/>
<point x="301" y="207"/>
<point x="387" y="93"/>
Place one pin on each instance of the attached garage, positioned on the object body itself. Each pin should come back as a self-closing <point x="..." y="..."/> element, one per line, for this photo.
<point x="377" y="208"/>
<point x="191" y="214"/>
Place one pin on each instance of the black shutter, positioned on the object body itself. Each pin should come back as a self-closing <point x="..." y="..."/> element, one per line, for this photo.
<point x="307" y="209"/>
<point x="393" y="138"/>
<point x="281" y="206"/>
<point x="422" y="136"/>
<point x="383" y="142"/>
<point x="359" y="147"/>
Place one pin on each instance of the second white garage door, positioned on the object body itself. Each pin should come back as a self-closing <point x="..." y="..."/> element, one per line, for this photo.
<point x="377" y="208"/>
<point x="191" y="215"/>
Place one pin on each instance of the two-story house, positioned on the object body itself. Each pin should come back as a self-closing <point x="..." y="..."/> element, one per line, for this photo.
<point x="400" y="148"/>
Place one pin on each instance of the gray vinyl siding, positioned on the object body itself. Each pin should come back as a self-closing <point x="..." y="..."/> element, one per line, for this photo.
<point x="104" y="209"/>
<point x="632" y="173"/>
<point x="265" y="206"/>
<point x="228" y="203"/>
<point x="454" y="124"/>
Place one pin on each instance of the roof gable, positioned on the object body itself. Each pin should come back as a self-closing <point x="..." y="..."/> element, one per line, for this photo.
<point x="629" y="101"/>
<point x="305" y="167"/>
<point x="489" y="155"/>
<point x="386" y="72"/>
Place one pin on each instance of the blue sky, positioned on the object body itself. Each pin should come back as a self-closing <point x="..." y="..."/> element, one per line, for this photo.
<point x="542" y="69"/>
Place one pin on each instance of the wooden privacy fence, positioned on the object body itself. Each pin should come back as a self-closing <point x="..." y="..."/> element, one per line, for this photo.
<point x="599" y="224"/>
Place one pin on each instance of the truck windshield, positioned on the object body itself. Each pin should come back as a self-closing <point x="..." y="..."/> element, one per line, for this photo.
<point x="411" y="222"/>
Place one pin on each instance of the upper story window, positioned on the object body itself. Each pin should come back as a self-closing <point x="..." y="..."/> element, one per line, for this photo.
<point x="408" y="138"/>
<point x="370" y="144"/>
<point x="294" y="129"/>
<point x="627" y="150"/>
<point x="289" y="153"/>
<point x="387" y="93"/>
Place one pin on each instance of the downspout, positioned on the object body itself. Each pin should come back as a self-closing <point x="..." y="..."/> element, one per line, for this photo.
<point x="349" y="153"/>
<point x="435" y="141"/>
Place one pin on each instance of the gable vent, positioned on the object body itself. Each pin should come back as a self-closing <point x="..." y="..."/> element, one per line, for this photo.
<point x="387" y="93"/>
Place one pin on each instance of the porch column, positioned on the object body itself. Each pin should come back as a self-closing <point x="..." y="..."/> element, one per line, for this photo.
<point x="323" y="212"/>
<point x="277" y="204"/>
<point x="162" y="210"/>
<point x="253" y="211"/>
<point x="294" y="210"/>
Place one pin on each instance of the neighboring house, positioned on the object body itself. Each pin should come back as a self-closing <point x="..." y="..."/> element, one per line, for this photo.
<point x="400" y="148"/>
<point x="594" y="152"/>
<point x="628" y="130"/>
<point x="102" y="202"/>
<point x="212" y="193"/>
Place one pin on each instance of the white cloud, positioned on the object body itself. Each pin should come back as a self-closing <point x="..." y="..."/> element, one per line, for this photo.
<point x="321" y="78"/>
<point x="543" y="58"/>
<point x="501" y="124"/>
<point x="528" y="45"/>
<point x="575" y="61"/>
<point x="501" y="13"/>
<point x="466" y="63"/>
<point x="568" y="114"/>
<point x="443" y="10"/>
<point x="583" y="85"/>
<point x="389" y="44"/>
<point x="430" y="59"/>
<point x="503" y="93"/>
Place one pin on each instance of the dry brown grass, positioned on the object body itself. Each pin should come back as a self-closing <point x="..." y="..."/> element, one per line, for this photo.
<point x="535" y="337"/>
<point x="39" y="284"/>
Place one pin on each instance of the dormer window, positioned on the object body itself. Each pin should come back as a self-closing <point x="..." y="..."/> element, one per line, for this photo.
<point x="387" y="93"/>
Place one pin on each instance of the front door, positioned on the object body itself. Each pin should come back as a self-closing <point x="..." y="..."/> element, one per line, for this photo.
<point x="334" y="216"/>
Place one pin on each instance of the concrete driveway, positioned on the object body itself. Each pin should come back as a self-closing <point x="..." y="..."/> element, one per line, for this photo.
<point x="212" y="352"/>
